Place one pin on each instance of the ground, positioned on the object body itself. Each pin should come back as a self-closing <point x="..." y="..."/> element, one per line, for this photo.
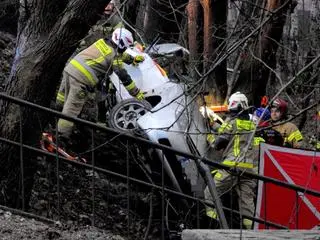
<point x="109" y="205"/>
<point x="17" y="227"/>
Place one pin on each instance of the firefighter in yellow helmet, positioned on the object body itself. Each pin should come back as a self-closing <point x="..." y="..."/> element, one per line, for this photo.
<point x="289" y="131"/>
<point x="84" y="72"/>
<point x="234" y="136"/>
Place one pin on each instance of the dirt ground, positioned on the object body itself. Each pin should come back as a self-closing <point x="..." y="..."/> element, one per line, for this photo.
<point x="88" y="197"/>
<point x="14" y="227"/>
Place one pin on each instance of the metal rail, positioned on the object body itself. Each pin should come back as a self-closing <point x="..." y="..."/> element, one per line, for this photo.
<point x="138" y="181"/>
<point x="148" y="143"/>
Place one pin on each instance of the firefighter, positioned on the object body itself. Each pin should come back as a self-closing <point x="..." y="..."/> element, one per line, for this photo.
<point x="86" y="70"/>
<point x="289" y="131"/>
<point x="234" y="136"/>
<point x="102" y="29"/>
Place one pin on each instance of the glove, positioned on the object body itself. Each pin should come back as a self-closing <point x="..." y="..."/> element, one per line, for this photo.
<point x="140" y="95"/>
<point x="138" y="59"/>
<point x="208" y="113"/>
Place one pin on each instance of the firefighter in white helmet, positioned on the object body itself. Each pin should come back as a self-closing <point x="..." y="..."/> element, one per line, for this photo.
<point x="88" y="68"/>
<point x="104" y="28"/>
<point x="233" y="136"/>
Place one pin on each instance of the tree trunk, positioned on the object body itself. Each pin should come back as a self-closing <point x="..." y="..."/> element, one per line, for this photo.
<point x="163" y="17"/>
<point x="311" y="77"/>
<point x="242" y="20"/>
<point x="131" y="11"/>
<point x="207" y="31"/>
<point x="151" y="20"/>
<point x="141" y="16"/>
<point x="9" y="16"/>
<point x="220" y="13"/>
<point x="215" y="33"/>
<point x="49" y="31"/>
<point x="254" y="74"/>
<point x="192" y="10"/>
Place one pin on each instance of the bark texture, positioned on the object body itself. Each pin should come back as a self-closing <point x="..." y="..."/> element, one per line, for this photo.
<point x="192" y="11"/>
<point x="260" y="55"/>
<point x="214" y="43"/>
<point x="163" y="17"/>
<point x="48" y="33"/>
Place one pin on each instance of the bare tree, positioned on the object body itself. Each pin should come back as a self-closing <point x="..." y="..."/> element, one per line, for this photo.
<point x="214" y="43"/>
<point x="9" y="16"/>
<point x="48" y="33"/>
<point x="192" y="11"/>
<point x="163" y="17"/>
<point x="261" y="52"/>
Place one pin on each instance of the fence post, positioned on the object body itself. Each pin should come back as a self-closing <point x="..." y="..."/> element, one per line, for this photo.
<point x="213" y="191"/>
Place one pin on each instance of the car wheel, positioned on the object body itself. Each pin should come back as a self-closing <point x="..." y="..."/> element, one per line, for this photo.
<point x="125" y="114"/>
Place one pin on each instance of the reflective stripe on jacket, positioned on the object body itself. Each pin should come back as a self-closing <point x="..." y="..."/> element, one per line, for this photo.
<point x="92" y="63"/>
<point x="291" y="134"/>
<point x="238" y="132"/>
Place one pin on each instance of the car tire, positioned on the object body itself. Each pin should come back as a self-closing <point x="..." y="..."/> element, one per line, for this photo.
<point x="125" y="114"/>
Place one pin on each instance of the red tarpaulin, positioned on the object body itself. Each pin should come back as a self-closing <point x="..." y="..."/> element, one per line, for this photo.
<point x="281" y="205"/>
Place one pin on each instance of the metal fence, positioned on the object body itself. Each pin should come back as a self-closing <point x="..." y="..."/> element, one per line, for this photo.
<point x="167" y="199"/>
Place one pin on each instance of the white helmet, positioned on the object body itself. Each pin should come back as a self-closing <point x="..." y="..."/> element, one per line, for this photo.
<point x="237" y="102"/>
<point x="122" y="38"/>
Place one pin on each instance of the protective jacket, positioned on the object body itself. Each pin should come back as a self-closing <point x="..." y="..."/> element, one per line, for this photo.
<point x="238" y="133"/>
<point x="290" y="133"/>
<point x="91" y="64"/>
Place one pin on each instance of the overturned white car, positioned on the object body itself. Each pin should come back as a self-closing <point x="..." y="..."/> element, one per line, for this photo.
<point x="169" y="115"/>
